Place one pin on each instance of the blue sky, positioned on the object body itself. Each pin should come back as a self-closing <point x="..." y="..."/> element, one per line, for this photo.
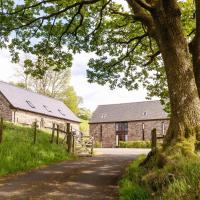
<point x="93" y="94"/>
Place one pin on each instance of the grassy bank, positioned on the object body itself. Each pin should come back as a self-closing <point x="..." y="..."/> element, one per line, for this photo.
<point x="18" y="153"/>
<point x="174" y="177"/>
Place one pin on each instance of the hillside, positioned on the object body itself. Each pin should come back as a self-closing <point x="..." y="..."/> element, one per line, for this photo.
<point x="18" y="153"/>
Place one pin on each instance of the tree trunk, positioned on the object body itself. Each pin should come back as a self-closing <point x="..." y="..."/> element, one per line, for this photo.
<point x="195" y="47"/>
<point x="184" y="99"/>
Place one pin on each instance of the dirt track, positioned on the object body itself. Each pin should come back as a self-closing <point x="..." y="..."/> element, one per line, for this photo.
<point x="90" y="178"/>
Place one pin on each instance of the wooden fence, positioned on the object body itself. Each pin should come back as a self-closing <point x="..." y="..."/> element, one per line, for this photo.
<point x="154" y="139"/>
<point x="70" y="136"/>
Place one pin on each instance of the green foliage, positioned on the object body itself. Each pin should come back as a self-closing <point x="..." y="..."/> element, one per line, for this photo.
<point x="127" y="56"/>
<point x="135" y="144"/>
<point x="84" y="127"/>
<point x="97" y="144"/>
<point x="18" y="153"/>
<point x="71" y="99"/>
<point x="21" y="85"/>
<point x="84" y="113"/>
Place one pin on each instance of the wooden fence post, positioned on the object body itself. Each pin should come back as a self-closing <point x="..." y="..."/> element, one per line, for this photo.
<point x="1" y="130"/>
<point x="69" y="139"/>
<point x="92" y="148"/>
<point x="53" y="131"/>
<point x="35" y="131"/>
<point x="73" y="144"/>
<point x="57" y="139"/>
<point x="153" y="140"/>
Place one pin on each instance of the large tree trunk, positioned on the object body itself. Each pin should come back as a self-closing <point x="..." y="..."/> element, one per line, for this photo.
<point x="185" y="102"/>
<point x="163" y="22"/>
<point x="195" y="47"/>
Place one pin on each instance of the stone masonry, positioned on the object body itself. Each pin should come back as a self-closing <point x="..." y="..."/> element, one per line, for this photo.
<point x="5" y="109"/>
<point x="105" y="132"/>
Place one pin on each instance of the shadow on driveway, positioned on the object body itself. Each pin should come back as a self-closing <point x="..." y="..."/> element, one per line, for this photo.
<point x="89" y="178"/>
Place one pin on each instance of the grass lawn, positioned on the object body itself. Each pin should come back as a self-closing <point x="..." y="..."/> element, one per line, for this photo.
<point x="18" y="153"/>
<point x="169" y="176"/>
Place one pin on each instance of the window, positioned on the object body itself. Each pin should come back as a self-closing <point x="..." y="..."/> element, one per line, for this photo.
<point x="121" y="126"/>
<point x="145" y="113"/>
<point x="48" y="110"/>
<point x="142" y="126"/>
<point x="30" y="104"/>
<point x="60" y="111"/>
<point x="103" y="116"/>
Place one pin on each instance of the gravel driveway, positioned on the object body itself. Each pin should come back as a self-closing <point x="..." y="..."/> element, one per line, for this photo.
<point x="93" y="178"/>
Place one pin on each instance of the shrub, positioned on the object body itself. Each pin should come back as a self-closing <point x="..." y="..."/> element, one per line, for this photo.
<point x="135" y="144"/>
<point x="97" y="144"/>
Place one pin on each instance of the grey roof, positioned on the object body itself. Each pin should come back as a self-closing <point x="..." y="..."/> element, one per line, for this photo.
<point x="18" y="98"/>
<point x="146" y="110"/>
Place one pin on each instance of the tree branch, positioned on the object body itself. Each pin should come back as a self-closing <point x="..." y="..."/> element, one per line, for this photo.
<point x="81" y="3"/>
<point x="145" y="5"/>
<point x="101" y="17"/>
<point x="132" y="39"/>
<point x="152" y="58"/>
<point x="145" y="18"/>
<point x="128" y="53"/>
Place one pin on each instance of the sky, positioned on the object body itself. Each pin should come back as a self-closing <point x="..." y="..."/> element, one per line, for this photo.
<point x="92" y="94"/>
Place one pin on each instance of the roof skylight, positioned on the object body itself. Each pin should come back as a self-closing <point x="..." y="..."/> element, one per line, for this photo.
<point x="145" y="113"/>
<point x="30" y="104"/>
<point x="47" y="109"/>
<point x="60" y="111"/>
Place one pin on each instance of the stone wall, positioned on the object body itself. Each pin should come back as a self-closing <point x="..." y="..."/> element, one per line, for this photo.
<point x="27" y="118"/>
<point x="135" y="131"/>
<point x="5" y="110"/>
<point x="105" y="132"/>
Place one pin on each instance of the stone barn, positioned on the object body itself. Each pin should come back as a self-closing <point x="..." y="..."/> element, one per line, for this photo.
<point x="127" y="122"/>
<point x="25" y="107"/>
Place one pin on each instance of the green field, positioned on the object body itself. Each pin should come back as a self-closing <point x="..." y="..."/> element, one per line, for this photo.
<point x="18" y="153"/>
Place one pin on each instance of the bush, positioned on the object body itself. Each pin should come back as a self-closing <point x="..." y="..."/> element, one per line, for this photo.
<point x="97" y="144"/>
<point x="135" y="144"/>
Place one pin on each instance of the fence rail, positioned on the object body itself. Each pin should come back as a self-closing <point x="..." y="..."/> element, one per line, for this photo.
<point x="72" y="137"/>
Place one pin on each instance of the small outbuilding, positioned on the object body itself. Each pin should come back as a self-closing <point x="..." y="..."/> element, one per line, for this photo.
<point x="113" y="123"/>
<point x="25" y="107"/>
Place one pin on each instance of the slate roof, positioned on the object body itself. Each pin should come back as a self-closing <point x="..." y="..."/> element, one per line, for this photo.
<point x="146" y="110"/>
<point x="30" y="101"/>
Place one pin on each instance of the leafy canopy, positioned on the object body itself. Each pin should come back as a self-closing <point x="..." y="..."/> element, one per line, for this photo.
<point x="54" y="30"/>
